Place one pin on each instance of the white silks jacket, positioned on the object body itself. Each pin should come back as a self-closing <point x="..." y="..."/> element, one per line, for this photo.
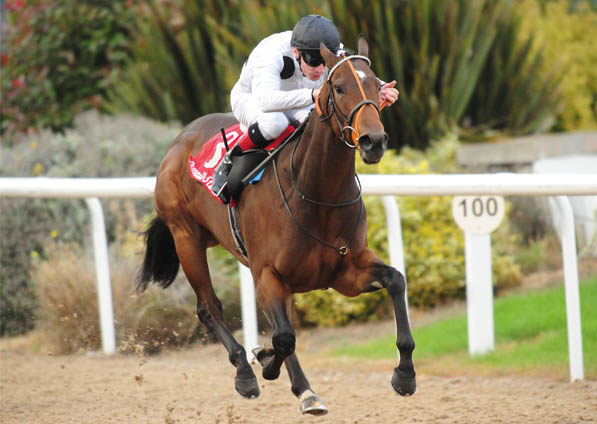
<point x="272" y="88"/>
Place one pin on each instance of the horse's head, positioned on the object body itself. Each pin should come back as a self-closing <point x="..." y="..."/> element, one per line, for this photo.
<point x="352" y="99"/>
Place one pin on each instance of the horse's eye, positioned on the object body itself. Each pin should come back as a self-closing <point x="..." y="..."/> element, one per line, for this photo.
<point x="338" y="89"/>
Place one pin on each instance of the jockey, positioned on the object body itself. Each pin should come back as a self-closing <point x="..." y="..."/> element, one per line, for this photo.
<point x="278" y="85"/>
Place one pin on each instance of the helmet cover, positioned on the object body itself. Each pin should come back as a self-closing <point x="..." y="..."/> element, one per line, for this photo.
<point x="311" y="30"/>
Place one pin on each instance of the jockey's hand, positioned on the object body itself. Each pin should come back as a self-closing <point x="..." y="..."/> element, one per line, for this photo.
<point x="315" y="93"/>
<point x="388" y="94"/>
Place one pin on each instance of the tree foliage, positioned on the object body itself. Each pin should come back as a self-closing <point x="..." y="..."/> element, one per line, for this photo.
<point x="460" y="63"/>
<point x="565" y="33"/>
<point x="59" y="58"/>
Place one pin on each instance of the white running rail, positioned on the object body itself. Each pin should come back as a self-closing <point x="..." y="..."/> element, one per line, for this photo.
<point x="559" y="185"/>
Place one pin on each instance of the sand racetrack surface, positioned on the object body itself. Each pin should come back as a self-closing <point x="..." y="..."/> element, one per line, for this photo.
<point x="196" y="385"/>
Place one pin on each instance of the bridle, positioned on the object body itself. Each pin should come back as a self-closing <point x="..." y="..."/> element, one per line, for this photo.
<point x="355" y="114"/>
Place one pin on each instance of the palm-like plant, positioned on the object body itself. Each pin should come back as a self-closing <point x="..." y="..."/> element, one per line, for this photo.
<point x="457" y="63"/>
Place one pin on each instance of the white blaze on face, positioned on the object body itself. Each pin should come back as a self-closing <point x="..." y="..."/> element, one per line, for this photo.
<point x="361" y="75"/>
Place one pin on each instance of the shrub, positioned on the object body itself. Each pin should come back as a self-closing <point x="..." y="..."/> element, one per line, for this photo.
<point x="68" y="309"/>
<point x="196" y="54"/>
<point x="96" y="147"/>
<point x="59" y="58"/>
<point x="459" y="63"/>
<point x="144" y="322"/>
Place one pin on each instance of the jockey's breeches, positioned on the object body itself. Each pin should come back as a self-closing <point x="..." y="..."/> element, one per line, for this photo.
<point x="271" y="124"/>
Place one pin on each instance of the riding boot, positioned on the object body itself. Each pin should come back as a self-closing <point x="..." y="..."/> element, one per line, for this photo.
<point x="250" y="140"/>
<point x="221" y="177"/>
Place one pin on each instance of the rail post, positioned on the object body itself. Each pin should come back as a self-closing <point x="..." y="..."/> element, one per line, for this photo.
<point x="102" y="271"/>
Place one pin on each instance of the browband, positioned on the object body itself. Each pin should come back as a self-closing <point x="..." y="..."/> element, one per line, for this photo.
<point x="354" y="56"/>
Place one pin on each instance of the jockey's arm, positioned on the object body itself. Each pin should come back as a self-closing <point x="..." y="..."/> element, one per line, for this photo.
<point x="266" y="87"/>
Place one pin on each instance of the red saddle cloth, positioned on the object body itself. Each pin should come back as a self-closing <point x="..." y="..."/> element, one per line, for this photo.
<point x="204" y="163"/>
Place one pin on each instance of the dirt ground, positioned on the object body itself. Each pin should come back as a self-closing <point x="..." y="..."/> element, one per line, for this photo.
<point x="196" y="386"/>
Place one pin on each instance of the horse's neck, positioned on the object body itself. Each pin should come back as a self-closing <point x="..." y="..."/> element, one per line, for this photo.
<point x="324" y="166"/>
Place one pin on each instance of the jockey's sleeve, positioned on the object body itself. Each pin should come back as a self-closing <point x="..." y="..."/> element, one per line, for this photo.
<point x="266" y="87"/>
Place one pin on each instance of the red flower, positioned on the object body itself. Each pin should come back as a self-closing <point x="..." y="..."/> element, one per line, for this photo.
<point x="18" y="82"/>
<point x="14" y="5"/>
<point x="4" y="59"/>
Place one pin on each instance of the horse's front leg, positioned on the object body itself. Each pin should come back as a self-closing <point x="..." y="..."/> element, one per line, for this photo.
<point x="371" y="275"/>
<point x="273" y="296"/>
<point x="403" y="380"/>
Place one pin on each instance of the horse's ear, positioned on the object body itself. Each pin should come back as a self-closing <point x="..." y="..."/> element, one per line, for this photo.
<point x="363" y="46"/>
<point x="330" y="58"/>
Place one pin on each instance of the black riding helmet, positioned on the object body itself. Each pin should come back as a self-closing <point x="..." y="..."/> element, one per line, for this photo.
<point x="311" y="30"/>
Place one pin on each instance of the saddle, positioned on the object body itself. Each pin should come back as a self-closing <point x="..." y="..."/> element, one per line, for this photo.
<point x="205" y="162"/>
<point x="242" y="165"/>
<point x="247" y="168"/>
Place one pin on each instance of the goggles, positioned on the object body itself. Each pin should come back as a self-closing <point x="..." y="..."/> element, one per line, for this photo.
<point x="312" y="58"/>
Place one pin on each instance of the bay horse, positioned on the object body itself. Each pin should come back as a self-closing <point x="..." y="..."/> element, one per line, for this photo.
<point x="303" y="224"/>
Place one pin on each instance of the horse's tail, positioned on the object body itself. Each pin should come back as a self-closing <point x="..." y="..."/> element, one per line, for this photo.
<point x="161" y="263"/>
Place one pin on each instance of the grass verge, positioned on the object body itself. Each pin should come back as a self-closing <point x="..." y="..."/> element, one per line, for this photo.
<point x="530" y="335"/>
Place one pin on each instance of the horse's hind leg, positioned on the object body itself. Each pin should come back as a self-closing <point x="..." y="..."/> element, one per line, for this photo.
<point x="191" y="251"/>
<point x="310" y="402"/>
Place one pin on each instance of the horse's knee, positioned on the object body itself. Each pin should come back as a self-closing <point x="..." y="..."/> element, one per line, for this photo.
<point x="394" y="282"/>
<point x="284" y="343"/>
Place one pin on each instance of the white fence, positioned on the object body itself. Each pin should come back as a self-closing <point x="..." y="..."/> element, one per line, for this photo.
<point x="386" y="186"/>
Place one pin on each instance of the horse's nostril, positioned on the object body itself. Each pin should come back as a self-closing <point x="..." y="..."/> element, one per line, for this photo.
<point x="365" y="143"/>
<point x="371" y="141"/>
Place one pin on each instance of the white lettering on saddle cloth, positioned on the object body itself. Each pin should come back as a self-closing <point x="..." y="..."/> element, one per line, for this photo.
<point x="220" y="150"/>
<point x="201" y="169"/>
<point x="202" y="176"/>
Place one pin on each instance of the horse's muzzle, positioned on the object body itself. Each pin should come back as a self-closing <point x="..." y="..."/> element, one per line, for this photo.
<point x="373" y="146"/>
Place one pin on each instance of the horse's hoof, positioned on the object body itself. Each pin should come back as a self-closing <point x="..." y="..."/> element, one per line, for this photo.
<point x="265" y="356"/>
<point x="263" y="353"/>
<point x="270" y="373"/>
<point x="404" y="385"/>
<point x="247" y="387"/>
<point x="312" y="404"/>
